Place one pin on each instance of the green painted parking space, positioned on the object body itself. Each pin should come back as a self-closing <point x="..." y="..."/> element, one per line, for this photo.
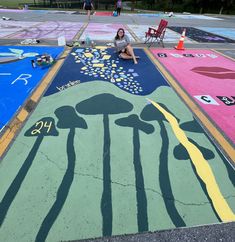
<point x="111" y="149"/>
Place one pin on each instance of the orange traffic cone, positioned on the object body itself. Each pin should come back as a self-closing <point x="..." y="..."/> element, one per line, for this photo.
<point x="180" y="45"/>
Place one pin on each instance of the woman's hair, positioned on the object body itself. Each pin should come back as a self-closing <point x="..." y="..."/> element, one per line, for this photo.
<point x="117" y="37"/>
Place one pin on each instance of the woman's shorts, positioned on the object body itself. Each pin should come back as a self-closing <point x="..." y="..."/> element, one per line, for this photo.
<point x="122" y="51"/>
<point x="88" y="7"/>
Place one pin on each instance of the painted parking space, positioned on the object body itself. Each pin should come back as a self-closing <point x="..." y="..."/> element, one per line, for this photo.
<point x="106" y="32"/>
<point x="148" y="15"/>
<point x="4" y="10"/>
<point x="5" y="32"/>
<point x="38" y="11"/>
<point x="54" y="29"/>
<point x="98" y="158"/>
<point x="16" y="24"/>
<point x="101" y="13"/>
<point x="209" y="79"/>
<point x="194" y="16"/>
<point x="226" y="32"/>
<point x="50" y="30"/>
<point x="202" y="36"/>
<point x="60" y="12"/>
<point x="11" y="27"/>
<point x="18" y="78"/>
<point x="182" y="16"/>
<point x="170" y="36"/>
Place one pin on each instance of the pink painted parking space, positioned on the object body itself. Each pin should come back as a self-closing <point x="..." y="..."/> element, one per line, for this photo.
<point x="107" y="32"/>
<point x="209" y="79"/>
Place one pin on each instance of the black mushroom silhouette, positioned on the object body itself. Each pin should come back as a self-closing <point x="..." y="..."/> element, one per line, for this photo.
<point x="181" y="153"/>
<point x="137" y="125"/>
<point x="150" y="113"/>
<point x="42" y="128"/>
<point x="105" y="104"/>
<point x="67" y="119"/>
<point x="193" y="126"/>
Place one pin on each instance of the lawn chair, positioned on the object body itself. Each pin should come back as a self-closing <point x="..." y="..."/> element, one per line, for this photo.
<point x="154" y="35"/>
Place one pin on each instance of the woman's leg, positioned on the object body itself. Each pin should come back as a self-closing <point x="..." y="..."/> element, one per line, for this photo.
<point x="127" y="57"/>
<point x="89" y="14"/>
<point x="124" y="55"/>
<point x="118" y="11"/>
<point x="131" y="53"/>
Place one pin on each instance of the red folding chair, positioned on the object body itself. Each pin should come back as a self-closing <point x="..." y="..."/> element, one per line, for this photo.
<point x="156" y="35"/>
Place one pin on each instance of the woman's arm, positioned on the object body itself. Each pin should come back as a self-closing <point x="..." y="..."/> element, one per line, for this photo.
<point x="115" y="43"/>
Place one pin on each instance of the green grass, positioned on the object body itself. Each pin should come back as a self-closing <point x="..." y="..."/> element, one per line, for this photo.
<point x="14" y="3"/>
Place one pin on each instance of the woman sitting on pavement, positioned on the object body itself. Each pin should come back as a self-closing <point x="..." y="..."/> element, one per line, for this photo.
<point x="123" y="46"/>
